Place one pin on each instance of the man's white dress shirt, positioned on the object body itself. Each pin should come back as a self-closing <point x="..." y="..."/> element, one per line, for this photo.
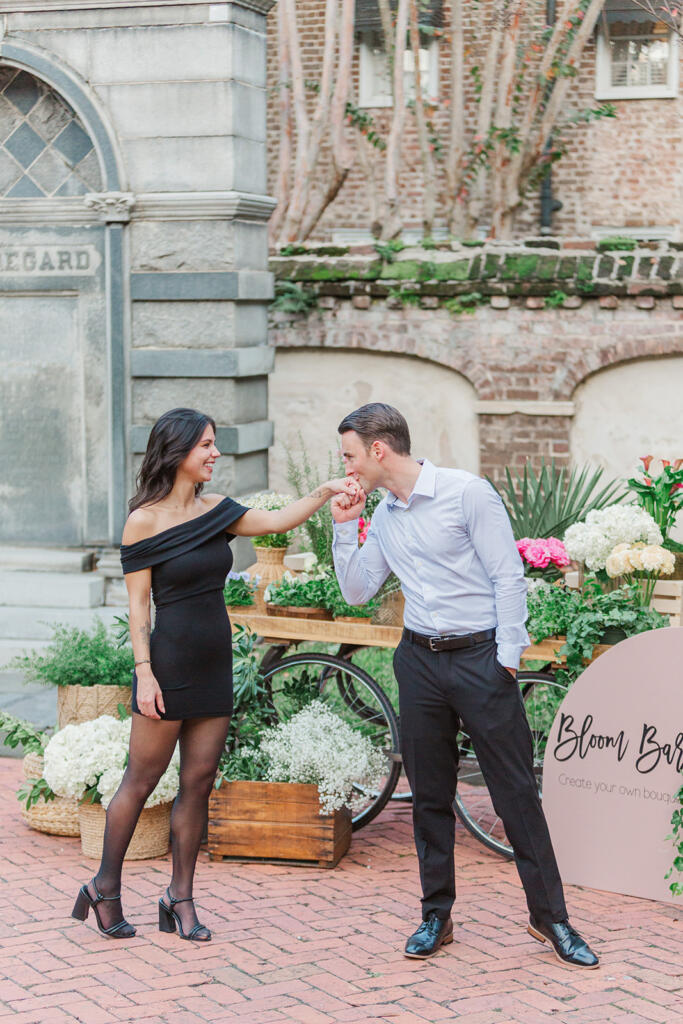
<point x="452" y="548"/>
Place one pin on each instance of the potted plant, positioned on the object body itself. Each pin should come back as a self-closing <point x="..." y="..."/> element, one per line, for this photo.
<point x="339" y="607"/>
<point x="581" y="620"/>
<point x="661" y="494"/>
<point x="303" y="595"/>
<point x="86" y="762"/>
<point x="239" y="589"/>
<point x="92" y="672"/>
<point x="288" y="795"/>
<point x="271" y="548"/>
<point x="41" y="809"/>
<point x="291" y="766"/>
<point x="543" y="557"/>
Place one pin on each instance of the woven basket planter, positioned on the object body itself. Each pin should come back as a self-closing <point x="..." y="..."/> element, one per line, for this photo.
<point x="150" y="839"/>
<point x="58" y="817"/>
<point x="390" y="612"/>
<point x="77" y="704"/>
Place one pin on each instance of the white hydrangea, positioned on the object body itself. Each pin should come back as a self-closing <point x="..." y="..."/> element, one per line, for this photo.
<point x="594" y="540"/>
<point x="95" y="753"/>
<point x="316" y="746"/>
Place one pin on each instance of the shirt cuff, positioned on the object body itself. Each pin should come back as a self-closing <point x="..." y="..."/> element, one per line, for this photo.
<point x="346" y="533"/>
<point x="508" y="655"/>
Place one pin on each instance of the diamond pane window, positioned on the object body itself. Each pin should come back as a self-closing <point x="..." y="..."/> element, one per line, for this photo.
<point x="44" y="150"/>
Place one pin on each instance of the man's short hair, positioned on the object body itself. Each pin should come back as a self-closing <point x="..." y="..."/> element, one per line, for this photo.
<point x="379" y="422"/>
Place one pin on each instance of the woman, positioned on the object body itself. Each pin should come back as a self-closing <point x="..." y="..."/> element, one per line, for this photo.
<point x="176" y="546"/>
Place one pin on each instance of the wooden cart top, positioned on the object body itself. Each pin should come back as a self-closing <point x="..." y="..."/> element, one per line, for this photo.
<point x="278" y="629"/>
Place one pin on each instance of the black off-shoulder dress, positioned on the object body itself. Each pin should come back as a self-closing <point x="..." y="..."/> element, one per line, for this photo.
<point x="191" y="644"/>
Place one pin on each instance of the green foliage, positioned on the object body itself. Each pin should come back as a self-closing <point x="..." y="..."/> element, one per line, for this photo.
<point x="365" y="124"/>
<point x="256" y="708"/>
<point x="676" y="837"/>
<point x="121" y="630"/>
<point x="293" y="250"/>
<point x="406" y="296"/>
<point x="388" y="250"/>
<point x="428" y="243"/>
<point x="303" y="478"/>
<point x="293" y="591"/>
<point x="466" y="303"/>
<point x="660" y="496"/>
<point x="33" y="790"/>
<point x="291" y="297"/>
<point x="335" y="602"/>
<point x="555" y="299"/>
<point x="77" y="656"/>
<point x="545" y="503"/>
<point x="239" y="589"/>
<point x="617" y="243"/>
<point x="583" y="616"/>
<point x="21" y="733"/>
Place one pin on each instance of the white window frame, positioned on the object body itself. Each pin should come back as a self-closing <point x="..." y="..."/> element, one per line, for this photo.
<point x="366" y="96"/>
<point x="604" y="90"/>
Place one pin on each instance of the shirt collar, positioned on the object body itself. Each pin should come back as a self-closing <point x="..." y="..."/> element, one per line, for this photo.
<point x="425" y="485"/>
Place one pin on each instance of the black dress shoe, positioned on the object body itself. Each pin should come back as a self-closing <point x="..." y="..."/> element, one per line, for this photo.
<point x="570" y="948"/>
<point x="432" y="933"/>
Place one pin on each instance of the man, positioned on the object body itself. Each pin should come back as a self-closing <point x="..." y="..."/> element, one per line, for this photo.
<point x="446" y="535"/>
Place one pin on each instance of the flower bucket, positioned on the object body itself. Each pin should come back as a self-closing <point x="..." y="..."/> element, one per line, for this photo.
<point x="77" y="704"/>
<point x="150" y="839"/>
<point x="270" y="566"/>
<point x="275" y="821"/>
<point x="57" y="817"/>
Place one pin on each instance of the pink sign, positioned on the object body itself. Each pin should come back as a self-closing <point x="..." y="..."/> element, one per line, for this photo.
<point x="613" y="766"/>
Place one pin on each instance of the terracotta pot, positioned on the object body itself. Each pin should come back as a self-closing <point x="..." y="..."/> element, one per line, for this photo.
<point x="270" y="566"/>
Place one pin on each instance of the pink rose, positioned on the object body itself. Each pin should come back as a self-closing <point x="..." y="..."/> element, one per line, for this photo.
<point x="537" y="554"/>
<point x="522" y="545"/>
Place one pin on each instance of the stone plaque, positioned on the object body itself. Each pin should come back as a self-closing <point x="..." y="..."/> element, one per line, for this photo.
<point x="613" y="766"/>
<point x="48" y="260"/>
<point x="41" y="420"/>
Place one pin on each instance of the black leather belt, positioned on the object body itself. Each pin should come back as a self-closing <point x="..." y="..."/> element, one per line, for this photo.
<point x="448" y="641"/>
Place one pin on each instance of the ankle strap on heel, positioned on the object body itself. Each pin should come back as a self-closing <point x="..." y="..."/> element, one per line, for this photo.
<point x="99" y="898"/>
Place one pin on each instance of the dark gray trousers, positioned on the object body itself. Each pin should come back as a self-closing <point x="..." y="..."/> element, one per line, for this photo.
<point x="437" y="691"/>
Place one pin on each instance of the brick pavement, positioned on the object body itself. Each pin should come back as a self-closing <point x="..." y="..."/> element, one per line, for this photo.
<point x="317" y="947"/>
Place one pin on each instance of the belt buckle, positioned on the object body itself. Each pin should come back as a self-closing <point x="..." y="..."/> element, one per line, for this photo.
<point x="433" y="641"/>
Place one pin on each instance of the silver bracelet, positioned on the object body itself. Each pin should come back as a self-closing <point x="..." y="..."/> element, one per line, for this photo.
<point x="145" y="661"/>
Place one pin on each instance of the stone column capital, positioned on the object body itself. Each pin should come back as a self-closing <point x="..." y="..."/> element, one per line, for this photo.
<point x="111" y="207"/>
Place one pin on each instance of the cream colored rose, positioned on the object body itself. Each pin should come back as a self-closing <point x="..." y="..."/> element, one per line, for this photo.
<point x="617" y="562"/>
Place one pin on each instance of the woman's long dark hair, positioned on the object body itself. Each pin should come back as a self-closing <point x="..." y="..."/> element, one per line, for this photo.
<point x="173" y="436"/>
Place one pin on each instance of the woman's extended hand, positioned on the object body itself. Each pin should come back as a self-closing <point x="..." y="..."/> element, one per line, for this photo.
<point x="149" y="695"/>
<point x="346" y="485"/>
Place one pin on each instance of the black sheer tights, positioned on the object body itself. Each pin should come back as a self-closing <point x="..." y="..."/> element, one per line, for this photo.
<point x="151" y="746"/>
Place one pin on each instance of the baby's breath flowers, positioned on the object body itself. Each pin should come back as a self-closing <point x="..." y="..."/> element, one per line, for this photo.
<point x="270" y="501"/>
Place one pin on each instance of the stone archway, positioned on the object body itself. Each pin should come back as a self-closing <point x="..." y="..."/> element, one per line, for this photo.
<point x="61" y="311"/>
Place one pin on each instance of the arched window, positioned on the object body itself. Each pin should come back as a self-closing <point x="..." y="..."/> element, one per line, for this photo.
<point x="44" y="149"/>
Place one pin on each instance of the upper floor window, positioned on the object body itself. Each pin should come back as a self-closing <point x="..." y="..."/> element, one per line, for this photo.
<point x="637" y="55"/>
<point x="374" y="84"/>
<point x="374" y="81"/>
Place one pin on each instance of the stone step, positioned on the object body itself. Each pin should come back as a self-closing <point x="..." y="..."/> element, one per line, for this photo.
<point x="51" y="589"/>
<point x="36" y="559"/>
<point x="10" y="649"/>
<point x="31" y="623"/>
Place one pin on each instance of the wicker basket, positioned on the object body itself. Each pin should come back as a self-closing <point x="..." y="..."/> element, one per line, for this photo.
<point x="58" y="817"/>
<point x="390" y="612"/>
<point x="150" y="839"/>
<point x="83" y="703"/>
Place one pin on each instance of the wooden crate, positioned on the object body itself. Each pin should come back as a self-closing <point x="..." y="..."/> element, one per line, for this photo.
<point x="667" y="598"/>
<point x="275" y="821"/>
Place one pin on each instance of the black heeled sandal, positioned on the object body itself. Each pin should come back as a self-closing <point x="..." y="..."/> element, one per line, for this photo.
<point x="84" y="902"/>
<point x="168" y="919"/>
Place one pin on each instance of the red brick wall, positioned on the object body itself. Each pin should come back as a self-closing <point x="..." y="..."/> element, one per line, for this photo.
<point x="616" y="173"/>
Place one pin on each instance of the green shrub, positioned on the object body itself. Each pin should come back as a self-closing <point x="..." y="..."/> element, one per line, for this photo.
<point x="77" y="656"/>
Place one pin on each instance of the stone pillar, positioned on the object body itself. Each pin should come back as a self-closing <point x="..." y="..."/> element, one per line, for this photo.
<point x="173" y="99"/>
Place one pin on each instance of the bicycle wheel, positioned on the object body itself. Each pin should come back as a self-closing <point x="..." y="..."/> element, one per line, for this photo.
<point x="353" y="695"/>
<point x="542" y="695"/>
